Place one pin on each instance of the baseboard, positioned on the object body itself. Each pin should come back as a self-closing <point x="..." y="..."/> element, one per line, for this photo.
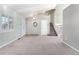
<point x="71" y="47"/>
<point x="11" y="41"/>
<point x="32" y="34"/>
<point x="7" y="43"/>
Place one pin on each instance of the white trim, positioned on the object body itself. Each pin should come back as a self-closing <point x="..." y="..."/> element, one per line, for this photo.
<point x="71" y="46"/>
<point x="57" y="27"/>
<point x="10" y="41"/>
<point x="7" y="43"/>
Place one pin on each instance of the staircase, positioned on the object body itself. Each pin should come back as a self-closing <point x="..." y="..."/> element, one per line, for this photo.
<point x="52" y="30"/>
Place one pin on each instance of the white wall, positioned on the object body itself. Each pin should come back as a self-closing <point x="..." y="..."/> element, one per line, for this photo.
<point x="71" y="25"/>
<point x="29" y="24"/>
<point x="51" y="14"/>
<point x="7" y="37"/>
<point x="58" y="13"/>
<point x="56" y="17"/>
<point x="30" y="29"/>
<point x="47" y="18"/>
<point x="23" y="26"/>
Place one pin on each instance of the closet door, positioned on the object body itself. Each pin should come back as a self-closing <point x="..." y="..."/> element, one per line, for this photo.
<point x="44" y="30"/>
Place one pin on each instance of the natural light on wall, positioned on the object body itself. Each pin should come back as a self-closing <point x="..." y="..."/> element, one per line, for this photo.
<point x="6" y="22"/>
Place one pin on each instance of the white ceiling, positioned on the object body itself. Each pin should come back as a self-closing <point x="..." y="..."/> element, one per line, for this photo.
<point x="30" y="9"/>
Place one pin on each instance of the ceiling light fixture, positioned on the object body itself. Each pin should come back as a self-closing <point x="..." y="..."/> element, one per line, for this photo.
<point x="34" y="18"/>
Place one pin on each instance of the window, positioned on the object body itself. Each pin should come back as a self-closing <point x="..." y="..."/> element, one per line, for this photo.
<point x="6" y="23"/>
<point x="10" y="23"/>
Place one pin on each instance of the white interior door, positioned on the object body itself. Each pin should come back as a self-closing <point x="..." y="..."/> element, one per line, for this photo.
<point x="44" y="30"/>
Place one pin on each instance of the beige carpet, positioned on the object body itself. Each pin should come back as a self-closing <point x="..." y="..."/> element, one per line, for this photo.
<point x="37" y="45"/>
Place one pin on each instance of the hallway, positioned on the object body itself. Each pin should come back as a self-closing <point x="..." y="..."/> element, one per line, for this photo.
<point x="46" y="21"/>
<point x="37" y="45"/>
